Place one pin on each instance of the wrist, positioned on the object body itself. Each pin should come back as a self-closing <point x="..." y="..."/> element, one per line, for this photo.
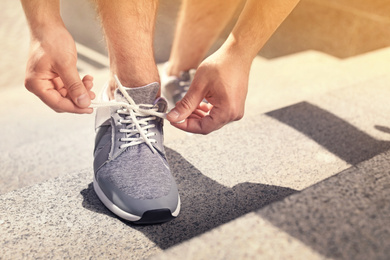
<point x="239" y="52"/>
<point x="41" y="31"/>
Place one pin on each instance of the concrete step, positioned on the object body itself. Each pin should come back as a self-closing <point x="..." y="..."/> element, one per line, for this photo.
<point x="38" y="143"/>
<point x="291" y="79"/>
<point x="242" y="168"/>
<point x="62" y="217"/>
<point x="343" y="217"/>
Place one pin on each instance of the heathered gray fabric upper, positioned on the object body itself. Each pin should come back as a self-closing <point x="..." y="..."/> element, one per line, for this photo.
<point x="138" y="173"/>
<point x="136" y="170"/>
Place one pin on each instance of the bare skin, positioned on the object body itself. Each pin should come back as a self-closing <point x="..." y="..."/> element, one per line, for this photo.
<point x="51" y="71"/>
<point x="192" y="40"/>
<point x="222" y="78"/>
<point x="129" y="29"/>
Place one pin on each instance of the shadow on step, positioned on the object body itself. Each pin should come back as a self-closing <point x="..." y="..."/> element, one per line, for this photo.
<point x="344" y="217"/>
<point x="333" y="133"/>
<point x="205" y="204"/>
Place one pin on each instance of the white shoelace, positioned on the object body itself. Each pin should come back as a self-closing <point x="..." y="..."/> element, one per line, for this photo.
<point x="131" y="112"/>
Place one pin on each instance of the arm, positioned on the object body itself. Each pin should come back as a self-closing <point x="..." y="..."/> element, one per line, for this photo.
<point x="51" y="71"/>
<point x="256" y="24"/>
<point x="222" y="78"/>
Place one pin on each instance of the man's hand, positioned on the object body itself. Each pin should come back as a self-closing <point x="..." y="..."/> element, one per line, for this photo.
<point x="52" y="73"/>
<point x="222" y="79"/>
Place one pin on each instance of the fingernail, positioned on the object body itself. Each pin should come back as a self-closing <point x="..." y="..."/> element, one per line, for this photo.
<point x="173" y="115"/>
<point x="83" y="100"/>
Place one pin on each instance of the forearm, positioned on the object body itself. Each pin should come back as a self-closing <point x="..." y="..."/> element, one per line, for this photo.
<point x="256" y="24"/>
<point x="42" y="15"/>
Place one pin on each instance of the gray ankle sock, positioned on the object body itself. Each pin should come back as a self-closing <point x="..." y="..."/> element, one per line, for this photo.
<point x="141" y="95"/>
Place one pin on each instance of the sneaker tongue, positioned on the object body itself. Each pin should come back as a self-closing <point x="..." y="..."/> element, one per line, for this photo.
<point x="141" y="95"/>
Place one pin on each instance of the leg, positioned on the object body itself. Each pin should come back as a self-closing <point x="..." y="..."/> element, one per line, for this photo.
<point x="200" y="23"/>
<point x="129" y="27"/>
<point x="132" y="176"/>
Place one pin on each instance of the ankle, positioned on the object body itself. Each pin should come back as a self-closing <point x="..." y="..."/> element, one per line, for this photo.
<point x="112" y="85"/>
<point x="133" y="69"/>
<point x="175" y="69"/>
<point x="171" y="70"/>
<point x="134" y="75"/>
<point x="111" y="88"/>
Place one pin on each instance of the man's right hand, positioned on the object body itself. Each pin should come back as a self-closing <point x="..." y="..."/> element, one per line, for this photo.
<point x="52" y="74"/>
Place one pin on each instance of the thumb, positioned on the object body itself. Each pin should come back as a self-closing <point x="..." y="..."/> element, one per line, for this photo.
<point x="75" y="87"/>
<point x="185" y="106"/>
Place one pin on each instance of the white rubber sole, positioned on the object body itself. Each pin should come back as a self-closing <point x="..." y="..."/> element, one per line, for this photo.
<point x="118" y="211"/>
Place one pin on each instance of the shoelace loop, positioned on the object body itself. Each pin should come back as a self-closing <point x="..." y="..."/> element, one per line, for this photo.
<point x="131" y="111"/>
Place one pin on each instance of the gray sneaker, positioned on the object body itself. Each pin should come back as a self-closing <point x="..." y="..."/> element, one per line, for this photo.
<point x="132" y="176"/>
<point x="175" y="88"/>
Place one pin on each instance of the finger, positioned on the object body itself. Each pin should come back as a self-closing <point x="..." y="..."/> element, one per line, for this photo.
<point x="199" y="112"/>
<point x="195" y="125"/>
<point x="204" y="125"/>
<point x="187" y="104"/>
<point x="63" y="92"/>
<point x="88" y="77"/>
<point x="75" y="87"/>
<point x="205" y="106"/>
<point x="92" y="95"/>
<point x="60" y="104"/>
<point x="59" y="86"/>
<point x="51" y="97"/>
<point x="88" y="81"/>
<point x="192" y="116"/>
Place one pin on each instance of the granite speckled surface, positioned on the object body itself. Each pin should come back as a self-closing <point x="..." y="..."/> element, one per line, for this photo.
<point x="267" y="161"/>
<point x="280" y="185"/>
<point x="254" y="163"/>
<point x="343" y="217"/>
<point x="68" y="209"/>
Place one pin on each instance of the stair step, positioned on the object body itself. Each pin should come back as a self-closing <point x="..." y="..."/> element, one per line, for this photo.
<point x="364" y="105"/>
<point x="343" y="217"/>
<point x="245" y="166"/>
<point x="38" y="143"/>
<point x="288" y="80"/>
<point x="63" y="217"/>
<point x="291" y="79"/>
<point x="40" y="160"/>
